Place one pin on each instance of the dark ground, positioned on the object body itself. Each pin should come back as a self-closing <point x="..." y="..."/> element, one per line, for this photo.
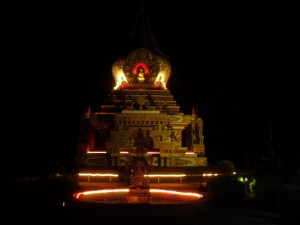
<point x="32" y="205"/>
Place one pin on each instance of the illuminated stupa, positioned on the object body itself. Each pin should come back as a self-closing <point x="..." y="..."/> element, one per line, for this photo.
<point x="140" y="106"/>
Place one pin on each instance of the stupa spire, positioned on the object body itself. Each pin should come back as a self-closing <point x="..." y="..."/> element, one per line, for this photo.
<point x="142" y="31"/>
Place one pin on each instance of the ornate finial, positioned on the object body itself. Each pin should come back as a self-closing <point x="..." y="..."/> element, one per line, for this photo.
<point x="194" y="116"/>
<point x="87" y="113"/>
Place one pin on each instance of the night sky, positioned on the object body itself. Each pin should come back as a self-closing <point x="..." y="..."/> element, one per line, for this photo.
<point x="233" y="63"/>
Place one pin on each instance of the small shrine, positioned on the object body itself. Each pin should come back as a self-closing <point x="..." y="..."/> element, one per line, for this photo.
<point x="138" y="167"/>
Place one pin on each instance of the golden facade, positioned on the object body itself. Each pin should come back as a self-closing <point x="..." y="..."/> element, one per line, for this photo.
<point x="141" y="113"/>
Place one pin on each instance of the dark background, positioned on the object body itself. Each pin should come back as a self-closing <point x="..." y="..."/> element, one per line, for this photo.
<point x="234" y="63"/>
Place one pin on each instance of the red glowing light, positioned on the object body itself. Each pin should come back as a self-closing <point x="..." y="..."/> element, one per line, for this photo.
<point x="141" y="64"/>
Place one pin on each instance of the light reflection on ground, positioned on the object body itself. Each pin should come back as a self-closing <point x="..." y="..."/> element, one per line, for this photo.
<point x="159" y="196"/>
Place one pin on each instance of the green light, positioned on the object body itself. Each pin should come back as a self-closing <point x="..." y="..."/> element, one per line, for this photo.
<point x="241" y="179"/>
